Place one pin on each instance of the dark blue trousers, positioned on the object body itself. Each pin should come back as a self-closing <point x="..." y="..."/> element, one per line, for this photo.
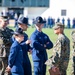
<point x="15" y="73"/>
<point x="39" y="68"/>
<point x="27" y="68"/>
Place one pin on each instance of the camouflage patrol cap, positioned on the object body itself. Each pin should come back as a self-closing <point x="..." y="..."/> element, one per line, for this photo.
<point x="5" y="18"/>
<point x="58" y="25"/>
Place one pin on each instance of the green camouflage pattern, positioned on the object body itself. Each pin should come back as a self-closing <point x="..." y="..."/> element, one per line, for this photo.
<point x="5" y="35"/>
<point x="61" y="54"/>
<point x="5" y="43"/>
<point x="73" y="51"/>
<point x="73" y="41"/>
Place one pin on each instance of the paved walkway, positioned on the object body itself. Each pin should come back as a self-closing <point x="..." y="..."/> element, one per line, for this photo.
<point x="11" y="22"/>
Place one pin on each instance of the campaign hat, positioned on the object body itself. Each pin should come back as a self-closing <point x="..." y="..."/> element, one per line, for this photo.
<point x="39" y="20"/>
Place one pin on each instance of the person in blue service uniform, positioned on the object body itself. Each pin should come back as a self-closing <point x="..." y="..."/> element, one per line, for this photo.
<point x="58" y="19"/>
<point x="39" y="43"/>
<point x="16" y="18"/>
<point x="23" y="24"/>
<point x="50" y="20"/>
<point x="15" y="60"/>
<point x="63" y="21"/>
<point x="68" y="23"/>
<point x="73" y="26"/>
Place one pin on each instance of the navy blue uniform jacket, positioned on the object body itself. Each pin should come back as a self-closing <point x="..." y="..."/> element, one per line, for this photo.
<point x="38" y="39"/>
<point x="26" y="61"/>
<point x="25" y="49"/>
<point x="15" y="59"/>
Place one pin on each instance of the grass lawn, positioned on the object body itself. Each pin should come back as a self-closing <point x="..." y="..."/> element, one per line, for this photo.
<point x="53" y="37"/>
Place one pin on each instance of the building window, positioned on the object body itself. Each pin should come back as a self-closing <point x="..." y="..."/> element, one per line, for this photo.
<point x="0" y="2"/>
<point x="13" y="0"/>
<point x="63" y="12"/>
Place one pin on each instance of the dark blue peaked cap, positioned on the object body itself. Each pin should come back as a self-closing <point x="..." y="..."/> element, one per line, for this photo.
<point x="18" y="31"/>
<point x="23" y="20"/>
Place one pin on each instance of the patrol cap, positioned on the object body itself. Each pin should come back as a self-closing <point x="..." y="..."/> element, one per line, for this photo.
<point x="39" y="20"/>
<point x="5" y="18"/>
<point x="18" y="31"/>
<point x="23" y="20"/>
<point x="58" y="25"/>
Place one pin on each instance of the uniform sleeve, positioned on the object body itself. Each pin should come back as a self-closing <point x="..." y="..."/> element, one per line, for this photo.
<point x="61" y="52"/>
<point x="29" y="47"/>
<point x="57" y="52"/>
<point x="12" y="56"/>
<point x="55" y="58"/>
<point x="23" y="44"/>
<point x="12" y="39"/>
<point x="49" y="43"/>
<point x="35" y="44"/>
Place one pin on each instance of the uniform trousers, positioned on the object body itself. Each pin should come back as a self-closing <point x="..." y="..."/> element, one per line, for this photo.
<point x="15" y="73"/>
<point x="27" y="68"/>
<point x="39" y="68"/>
<point x="3" y="65"/>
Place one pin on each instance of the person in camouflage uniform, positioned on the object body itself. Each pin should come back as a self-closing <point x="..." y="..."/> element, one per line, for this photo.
<point x="5" y="35"/>
<point x="61" y="50"/>
<point x="73" y="57"/>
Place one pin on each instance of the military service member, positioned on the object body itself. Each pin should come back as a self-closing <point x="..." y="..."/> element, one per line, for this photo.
<point x="60" y="59"/>
<point x="73" y="41"/>
<point x="5" y="35"/>
<point x="23" y="24"/>
<point x="15" y="65"/>
<point x="40" y="42"/>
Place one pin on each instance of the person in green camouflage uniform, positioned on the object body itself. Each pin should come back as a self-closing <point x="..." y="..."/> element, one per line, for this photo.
<point x="73" y="56"/>
<point x="61" y="50"/>
<point x="5" y="43"/>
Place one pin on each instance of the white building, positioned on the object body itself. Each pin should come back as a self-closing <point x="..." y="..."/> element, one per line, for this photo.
<point x="57" y="8"/>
